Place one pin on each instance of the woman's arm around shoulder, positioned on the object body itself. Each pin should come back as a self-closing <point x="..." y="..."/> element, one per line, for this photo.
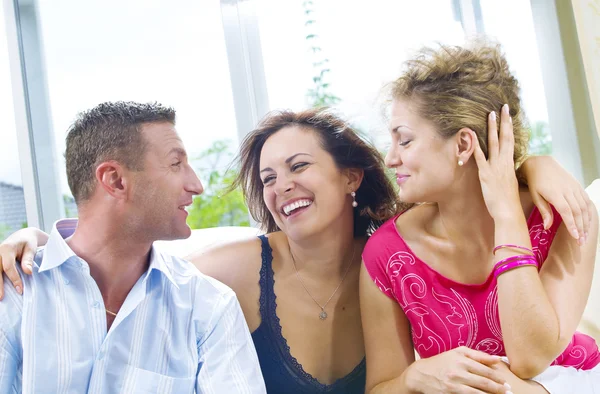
<point x="237" y="264"/>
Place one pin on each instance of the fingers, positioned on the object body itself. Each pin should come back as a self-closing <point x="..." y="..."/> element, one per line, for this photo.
<point x="586" y="205"/>
<point x="9" y="266"/>
<point x="479" y="156"/>
<point x="480" y="384"/>
<point x="564" y="210"/>
<point x="27" y="255"/>
<point x="577" y="215"/>
<point x="479" y="378"/>
<point x="544" y="207"/>
<point x="493" y="147"/>
<point x="507" y="136"/>
<point x="480" y="357"/>
<point x="486" y="378"/>
<point x="473" y="371"/>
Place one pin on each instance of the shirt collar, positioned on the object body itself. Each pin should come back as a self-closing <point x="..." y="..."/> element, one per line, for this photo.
<point x="158" y="262"/>
<point x="56" y="251"/>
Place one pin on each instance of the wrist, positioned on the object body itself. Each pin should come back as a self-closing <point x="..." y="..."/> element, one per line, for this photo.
<point x="508" y="214"/>
<point x="412" y="377"/>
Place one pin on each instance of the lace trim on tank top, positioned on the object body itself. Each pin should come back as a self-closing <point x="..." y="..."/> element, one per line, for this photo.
<point x="268" y="314"/>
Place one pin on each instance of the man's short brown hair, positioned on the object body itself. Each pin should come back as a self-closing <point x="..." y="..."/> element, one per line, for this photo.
<point x="109" y="131"/>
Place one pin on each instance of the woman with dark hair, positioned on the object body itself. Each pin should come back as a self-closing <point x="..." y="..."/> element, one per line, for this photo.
<point x="471" y="274"/>
<point x="319" y="191"/>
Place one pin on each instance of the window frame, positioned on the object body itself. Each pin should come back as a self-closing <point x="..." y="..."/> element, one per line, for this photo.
<point x="249" y="88"/>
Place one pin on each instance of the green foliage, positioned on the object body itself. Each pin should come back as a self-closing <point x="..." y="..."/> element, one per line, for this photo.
<point x="4" y="231"/>
<point x="215" y="207"/>
<point x="541" y="141"/>
<point x="70" y="206"/>
<point x="319" y="95"/>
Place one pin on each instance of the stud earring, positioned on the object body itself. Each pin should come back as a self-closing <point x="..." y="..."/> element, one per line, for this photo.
<point x="460" y="163"/>
<point x="354" y="203"/>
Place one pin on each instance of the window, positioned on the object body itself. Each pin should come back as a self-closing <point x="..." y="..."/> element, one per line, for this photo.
<point x="519" y="43"/>
<point x="107" y="50"/>
<point x="342" y="53"/>
<point x="12" y="201"/>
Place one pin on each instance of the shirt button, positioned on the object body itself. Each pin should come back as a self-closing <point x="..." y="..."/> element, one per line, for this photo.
<point x="66" y="281"/>
<point x="100" y="355"/>
<point x="96" y="304"/>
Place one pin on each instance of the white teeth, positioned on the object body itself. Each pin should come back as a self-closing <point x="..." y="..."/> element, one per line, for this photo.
<point x="295" y="205"/>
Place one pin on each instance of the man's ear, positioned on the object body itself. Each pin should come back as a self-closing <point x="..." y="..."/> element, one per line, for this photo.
<point x="110" y="177"/>
<point x="355" y="177"/>
<point x="466" y="141"/>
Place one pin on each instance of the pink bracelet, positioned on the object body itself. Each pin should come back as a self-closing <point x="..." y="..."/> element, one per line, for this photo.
<point x="512" y="247"/>
<point x="511" y="259"/>
<point x="515" y="264"/>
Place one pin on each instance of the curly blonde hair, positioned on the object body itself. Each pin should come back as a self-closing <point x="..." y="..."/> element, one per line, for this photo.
<point x="456" y="87"/>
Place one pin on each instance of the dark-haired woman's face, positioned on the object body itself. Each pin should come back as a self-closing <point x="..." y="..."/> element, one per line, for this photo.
<point x="304" y="190"/>
<point x="423" y="160"/>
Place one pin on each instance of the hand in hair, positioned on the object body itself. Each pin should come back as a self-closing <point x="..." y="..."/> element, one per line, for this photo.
<point x="497" y="174"/>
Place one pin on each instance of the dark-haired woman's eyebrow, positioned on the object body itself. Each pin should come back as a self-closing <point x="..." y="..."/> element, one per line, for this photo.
<point x="292" y="157"/>
<point x="287" y="161"/>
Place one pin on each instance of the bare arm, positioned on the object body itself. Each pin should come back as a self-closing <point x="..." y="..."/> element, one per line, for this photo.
<point x="550" y="183"/>
<point x="388" y="344"/>
<point x="538" y="312"/>
<point x="391" y="366"/>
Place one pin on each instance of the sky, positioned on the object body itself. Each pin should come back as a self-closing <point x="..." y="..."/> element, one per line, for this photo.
<point x="174" y="52"/>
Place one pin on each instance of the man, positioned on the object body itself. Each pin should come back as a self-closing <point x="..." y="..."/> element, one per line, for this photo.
<point x="104" y="311"/>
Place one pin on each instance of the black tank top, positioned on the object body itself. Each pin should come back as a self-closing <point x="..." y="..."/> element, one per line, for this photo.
<point x="281" y="371"/>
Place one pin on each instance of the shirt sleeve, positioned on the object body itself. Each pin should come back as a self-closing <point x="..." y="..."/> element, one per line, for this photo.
<point x="375" y="260"/>
<point x="227" y="358"/>
<point x="10" y="340"/>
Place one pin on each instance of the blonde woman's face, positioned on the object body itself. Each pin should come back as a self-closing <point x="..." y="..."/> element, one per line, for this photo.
<point x="423" y="160"/>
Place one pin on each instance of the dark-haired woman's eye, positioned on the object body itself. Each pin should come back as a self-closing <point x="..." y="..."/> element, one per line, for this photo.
<point x="268" y="179"/>
<point x="297" y="166"/>
<point x="404" y="143"/>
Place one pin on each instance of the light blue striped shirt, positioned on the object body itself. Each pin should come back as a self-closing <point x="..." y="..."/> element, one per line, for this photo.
<point x="178" y="331"/>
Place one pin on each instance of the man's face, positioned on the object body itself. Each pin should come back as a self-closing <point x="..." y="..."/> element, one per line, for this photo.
<point x="165" y="187"/>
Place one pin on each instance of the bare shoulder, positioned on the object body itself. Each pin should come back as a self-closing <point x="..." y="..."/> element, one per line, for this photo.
<point x="232" y="263"/>
<point x="237" y="264"/>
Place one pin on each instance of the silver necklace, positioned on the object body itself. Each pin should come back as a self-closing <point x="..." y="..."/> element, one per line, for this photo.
<point x="323" y="314"/>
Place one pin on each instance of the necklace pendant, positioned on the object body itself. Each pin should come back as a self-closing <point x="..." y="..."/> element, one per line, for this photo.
<point x="323" y="315"/>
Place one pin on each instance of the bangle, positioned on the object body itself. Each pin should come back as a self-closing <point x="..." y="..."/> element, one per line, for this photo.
<point x="515" y="264"/>
<point x="512" y="247"/>
<point x="511" y="259"/>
